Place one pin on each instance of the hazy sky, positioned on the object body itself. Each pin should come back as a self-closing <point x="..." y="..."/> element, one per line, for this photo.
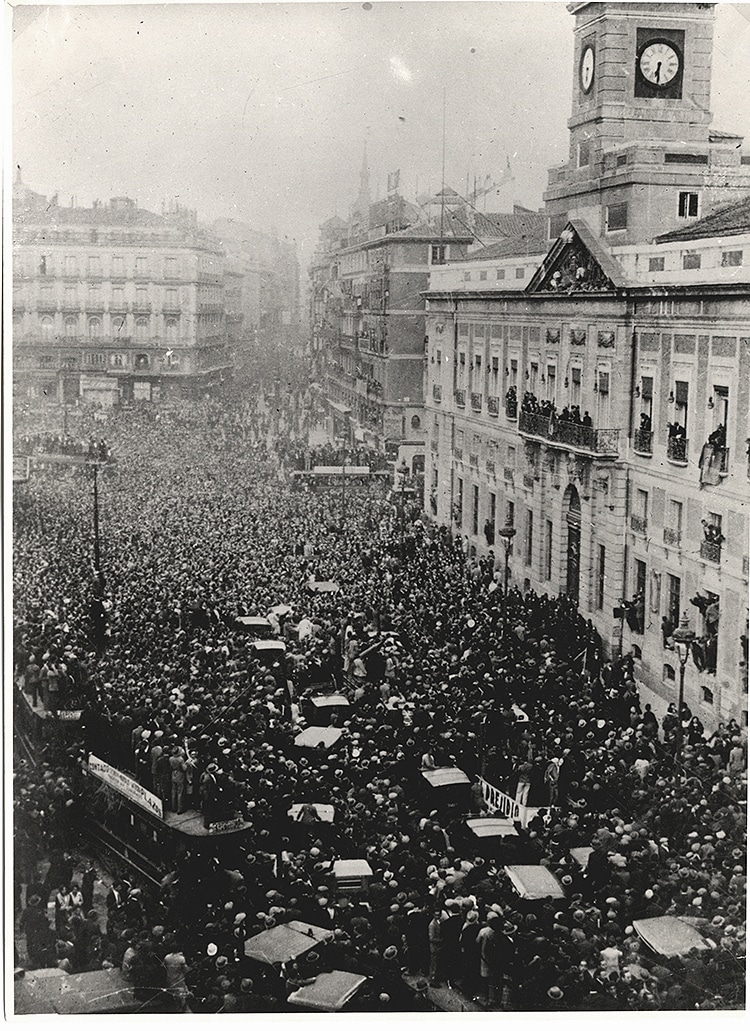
<point x="261" y="111"/>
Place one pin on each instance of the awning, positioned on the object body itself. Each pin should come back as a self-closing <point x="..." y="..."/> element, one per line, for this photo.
<point x="325" y="701"/>
<point x="491" y="827"/>
<point x="351" y="868"/>
<point x="669" y="936"/>
<point x="255" y="623"/>
<point x="269" y="646"/>
<point x="318" y="737"/>
<point x="581" y="855"/>
<point x="534" y="882"/>
<point x="447" y="776"/>
<point x="322" y="586"/>
<point x="329" y="992"/>
<point x="285" y="941"/>
<point x="326" y="813"/>
<point x="341" y="409"/>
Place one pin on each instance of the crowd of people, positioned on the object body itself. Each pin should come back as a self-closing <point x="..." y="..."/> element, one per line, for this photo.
<point x="548" y="409"/>
<point x="514" y="689"/>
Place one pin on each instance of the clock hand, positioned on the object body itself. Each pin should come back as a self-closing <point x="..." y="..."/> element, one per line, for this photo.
<point x="657" y="74"/>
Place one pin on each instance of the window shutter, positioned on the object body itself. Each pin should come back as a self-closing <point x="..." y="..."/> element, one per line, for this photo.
<point x="657" y="506"/>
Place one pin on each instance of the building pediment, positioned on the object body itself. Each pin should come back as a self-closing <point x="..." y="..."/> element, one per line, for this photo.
<point x="577" y="263"/>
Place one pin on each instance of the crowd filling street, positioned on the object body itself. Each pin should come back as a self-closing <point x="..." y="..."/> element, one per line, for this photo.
<point x="201" y="522"/>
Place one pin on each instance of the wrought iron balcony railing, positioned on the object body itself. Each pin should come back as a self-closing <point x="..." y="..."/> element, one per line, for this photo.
<point x="476" y="402"/>
<point x="638" y="523"/>
<point x="437" y="393"/>
<point x="711" y="551"/>
<point x="493" y="405"/>
<point x="460" y="396"/>
<point x="673" y="537"/>
<point x="570" y="434"/>
<point x="677" y="450"/>
<point x="643" y="442"/>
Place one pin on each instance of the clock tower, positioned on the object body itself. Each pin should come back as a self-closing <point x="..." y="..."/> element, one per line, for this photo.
<point x="643" y="155"/>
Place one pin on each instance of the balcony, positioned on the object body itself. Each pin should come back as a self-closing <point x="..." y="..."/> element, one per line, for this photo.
<point x="493" y="405"/>
<point x="677" y="450"/>
<point x="638" y="523"/>
<point x="507" y="474"/>
<point x="570" y="435"/>
<point x="511" y="409"/>
<point x="711" y="551"/>
<point x="724" y="457"/>
<point x="476" y="402"/>
<point x="528" y="481"/>
<point x="458" y="454"/>
<point x="490" y="467"/>
<point x="460" y="396"/>
<point x="474" y="460"/>
<point x="437" y="393"/>
<point x="672" y="537"/>
<point x="643" y="442"/>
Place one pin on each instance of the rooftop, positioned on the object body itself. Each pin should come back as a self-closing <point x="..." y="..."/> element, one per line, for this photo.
<point x="728" y="221"/>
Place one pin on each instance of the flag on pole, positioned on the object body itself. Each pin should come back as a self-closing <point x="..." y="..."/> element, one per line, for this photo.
<point x="393" y="180"/>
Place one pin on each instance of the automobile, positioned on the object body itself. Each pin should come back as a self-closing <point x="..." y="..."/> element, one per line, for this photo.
<point x="257" y="626"/>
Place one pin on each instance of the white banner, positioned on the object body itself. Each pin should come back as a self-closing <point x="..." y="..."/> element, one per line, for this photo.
<point x="126" y="786"/>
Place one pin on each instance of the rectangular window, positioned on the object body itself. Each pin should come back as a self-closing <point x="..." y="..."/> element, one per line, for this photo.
<point x="656" y="264"/>
<point x="575" y="384"/>
<point x="548" y="549"/>
<point x="437" y="254"/>
<point x="475" y="510"/>
<point x="467" y="277"/>
<point x="71" y="297"/>
<point x="603" y="382"/>
<point x="529" y="537"/>
<point x="483" y="275"/>
<point x="170" y="299"/>
<point x="584" y="153"/>
<point x="511" y="458"/>
<point x="551" y="382"/>
<point x="460" y="503"/>
<point x="601" y="558"/>
<point x="520" y="273"/>
<point x="731" y="259"/>
<point x="641" y="504"/>
<point x="510" y="513"/>
<point x="70" y="265"/>
<point x="170" y="268"/>
<point x="687" y="205"/>
<point x="691" y="260"/>
<point x="681" y="389"/>
<point x="675" y="517"/>
<point x="533" y="376"/>
<point x="640" y="577"/>
<point x="617" y="217"/>
<point x="118" y="266"/>
<point x="141" y="266"/>
<point x="118" y="297"/>
<point x="513" y="372"/>
<point x="556" y="225"/>
<point x="95" y="265"/>
<point x="501" y="273"/>
<point x="492" y="508"/>
<point x="673" y="599"/>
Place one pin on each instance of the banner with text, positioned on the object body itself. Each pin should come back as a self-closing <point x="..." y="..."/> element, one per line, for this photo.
<point x="126" y="786"/>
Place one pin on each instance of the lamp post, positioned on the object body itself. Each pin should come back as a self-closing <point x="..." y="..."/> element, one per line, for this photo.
<point x="403" y="472"/>
<point x="683" y="637"/>
<point x="506" y="535"/>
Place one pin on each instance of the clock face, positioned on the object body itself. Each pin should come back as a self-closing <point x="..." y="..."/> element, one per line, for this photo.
<point x="659" y="63"/>
<point x="587" y="68"/>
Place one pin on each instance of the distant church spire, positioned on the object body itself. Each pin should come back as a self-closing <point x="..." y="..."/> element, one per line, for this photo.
<point x="362" y="204"/>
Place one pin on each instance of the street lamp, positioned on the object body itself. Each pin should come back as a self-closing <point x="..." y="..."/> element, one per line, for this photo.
<point x="403" y="472"/>
<point x="506" y="535"/>
<point x="683" y="637"/>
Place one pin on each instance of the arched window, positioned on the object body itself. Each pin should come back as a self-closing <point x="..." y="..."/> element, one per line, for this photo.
<point x="141" y="329"/>
<point x="118" y="325"/>
<point x="71" y="326"/>
<point x="171" y="330"/>
<point x="95" y="327"/>
<point x="47" y="327"/>
<point x="415" y="422"/>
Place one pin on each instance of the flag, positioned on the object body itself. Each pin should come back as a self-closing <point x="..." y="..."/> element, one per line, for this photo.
<point x="393" y="180"/>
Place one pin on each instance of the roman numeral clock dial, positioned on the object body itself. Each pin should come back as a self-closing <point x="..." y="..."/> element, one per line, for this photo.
<point x="659" y="64"/>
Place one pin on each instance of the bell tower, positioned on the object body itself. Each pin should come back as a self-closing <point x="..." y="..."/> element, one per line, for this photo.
<point x="643" y="156"/>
